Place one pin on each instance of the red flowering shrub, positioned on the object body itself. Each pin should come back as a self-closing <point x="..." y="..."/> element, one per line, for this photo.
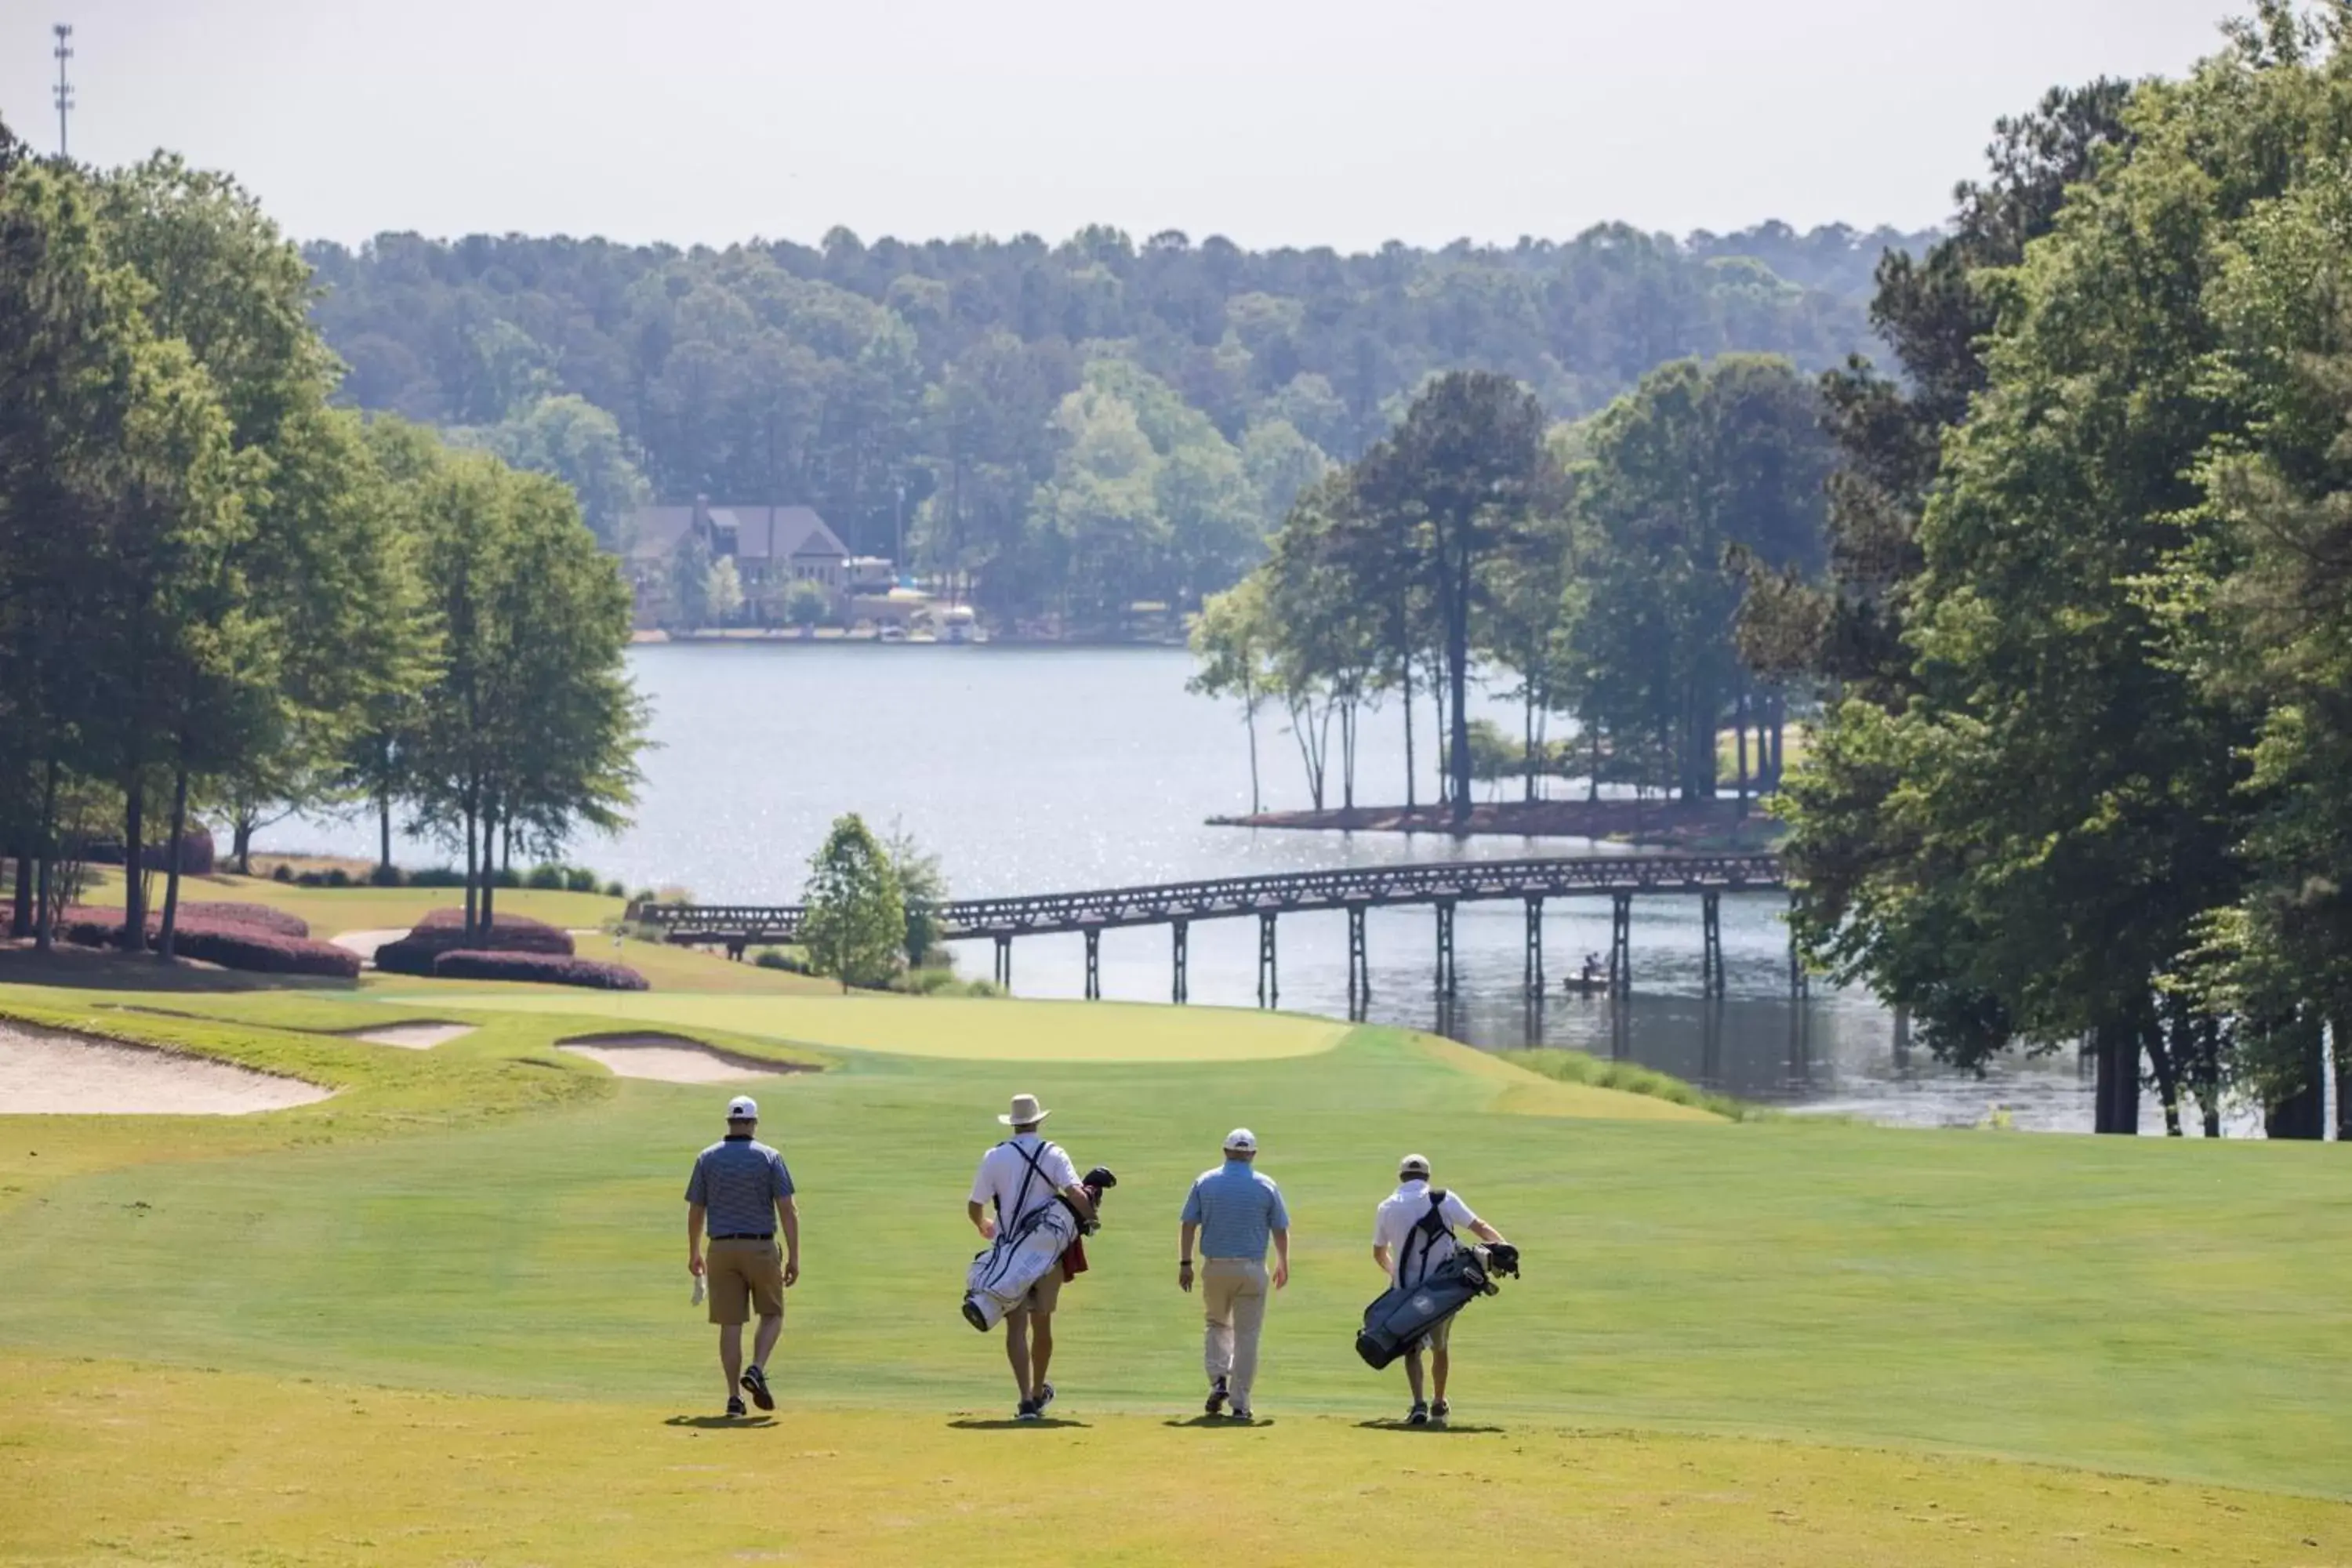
<point x="260" y="915"/>
<point x="444" y="931"/>
<point x="553" y="969"/>
<point x="232" y="946"/>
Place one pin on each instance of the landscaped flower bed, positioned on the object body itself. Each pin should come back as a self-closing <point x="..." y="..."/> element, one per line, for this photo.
<point x="444" y="931"/>
<point x="231" y="945"/>
<point x="552" y="969"/>
<point x="214" y="913"/>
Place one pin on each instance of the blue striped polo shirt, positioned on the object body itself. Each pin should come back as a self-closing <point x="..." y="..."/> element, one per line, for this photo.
<point x="738" y="1181"/>
<point x="1238" y="1211"/>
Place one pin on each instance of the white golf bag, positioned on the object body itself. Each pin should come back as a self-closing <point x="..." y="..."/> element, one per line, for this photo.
<point x="1018" y="1258"/>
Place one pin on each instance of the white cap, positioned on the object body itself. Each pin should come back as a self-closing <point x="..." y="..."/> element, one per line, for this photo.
<point x="1240" y="1140"/>
<point x="1414" y="1165"/>
<point x="742" y="1108"/>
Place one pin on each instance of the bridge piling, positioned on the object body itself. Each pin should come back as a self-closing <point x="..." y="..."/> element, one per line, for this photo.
<point x="1621" y="944"/>
<point x="1359" y="964"/>
<point x="1711" y="963"/>
<point x="1005" y="961"/>
<point x="1094" y="964"/>
<point x="1535" y="964"/>
<point x="1445" y="947"/>
<point x="1181" y="929"/>
<point x="1269" y="989"/>
<point x="1799" y="981"/>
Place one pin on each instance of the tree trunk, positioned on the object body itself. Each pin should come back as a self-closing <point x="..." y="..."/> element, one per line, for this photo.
<point x="20" y="914"/>
<point x="2343" y="1051"/>
<point x="1779" y="736"/>
<point x="2116" y="1108"/>
<point x="2301" y="1113"/>
<point x="490" y="823"/>
<point x="472" y="894"/>
<point x="1592" y="784"/>
<point x="1347" y="763"/>
<point x="44" y="920"/>
<point x="1527" y="744"/>
<point x="167" y="938"/>
<point x="1739" y="745"/>
<point x="1409" y="783"/>
<point x="1437" y="734"/>
<point x="1458" y="696"/>
<point x="134" y="886"/>
<point x="241" y="843"/>
<point x="383" y="831"/>
<point x="1249" y="720"/>
<point x="2168" y="1080"/>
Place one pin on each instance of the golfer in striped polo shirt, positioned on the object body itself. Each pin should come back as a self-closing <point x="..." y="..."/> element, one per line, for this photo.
<point x="1234" y="1211"/>
<point x="741" y="1192"/>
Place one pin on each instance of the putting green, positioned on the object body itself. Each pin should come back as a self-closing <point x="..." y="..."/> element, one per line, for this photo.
<point x="960" y="1028"/>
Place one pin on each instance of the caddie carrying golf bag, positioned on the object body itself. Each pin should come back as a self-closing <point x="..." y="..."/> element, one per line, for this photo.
<point x="1000" y="1276"/>
<point x="1428" y="1293"/>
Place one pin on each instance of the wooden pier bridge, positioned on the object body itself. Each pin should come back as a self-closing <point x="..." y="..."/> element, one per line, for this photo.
<point x="1442" y="886"/>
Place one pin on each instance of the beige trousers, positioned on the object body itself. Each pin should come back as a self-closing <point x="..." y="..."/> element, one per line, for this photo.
<point x="1232" y="1298"/>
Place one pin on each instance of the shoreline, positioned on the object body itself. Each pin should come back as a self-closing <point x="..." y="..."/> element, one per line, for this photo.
<point x="1675" y="825"/>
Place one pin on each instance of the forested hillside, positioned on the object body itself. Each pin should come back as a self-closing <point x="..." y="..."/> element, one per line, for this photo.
<point x="1068" y="427"/>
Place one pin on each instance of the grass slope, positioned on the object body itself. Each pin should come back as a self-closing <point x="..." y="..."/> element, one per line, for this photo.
<point x="106" y="1464"/>
<point x="2176" y="1310"/>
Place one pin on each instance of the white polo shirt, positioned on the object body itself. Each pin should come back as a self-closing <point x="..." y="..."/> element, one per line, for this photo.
<point x="1402" y="1209"/>
<point x="997" y="1184"/>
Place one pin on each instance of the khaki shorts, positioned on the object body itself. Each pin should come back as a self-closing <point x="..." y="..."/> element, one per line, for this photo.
<point x="1437" y="1338"/>
<point x="1046" y="1293"/>
<point x="741" y="1275"/>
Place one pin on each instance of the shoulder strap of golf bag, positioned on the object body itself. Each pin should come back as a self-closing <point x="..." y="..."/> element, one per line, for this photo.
<point x="1425" y="1230"/>
<point x="1031" y="1174"/>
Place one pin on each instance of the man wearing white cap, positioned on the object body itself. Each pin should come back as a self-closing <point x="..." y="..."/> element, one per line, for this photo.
<point x="1412" y="1234"/>
<point x="1021" y="1180"/>
<point x="1234" y="1212"/>
<point x="741" y="1188"/>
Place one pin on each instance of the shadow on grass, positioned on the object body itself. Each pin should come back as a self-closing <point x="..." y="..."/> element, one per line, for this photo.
<point x="1219" y="1423"/>
<point x="1427" y="1429"/>
<point x="1007" y="1423"/>
<point x="720" y="1422"/>
<point x="94" y="969"/>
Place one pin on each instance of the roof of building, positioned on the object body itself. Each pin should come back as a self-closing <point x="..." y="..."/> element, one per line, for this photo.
<point x="762" y="532"/>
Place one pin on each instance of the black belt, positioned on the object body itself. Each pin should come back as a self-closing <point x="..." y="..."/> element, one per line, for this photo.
<point x="747" y="1236"/>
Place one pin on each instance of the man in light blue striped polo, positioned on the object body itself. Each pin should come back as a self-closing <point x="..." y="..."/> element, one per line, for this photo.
<point x="742" y="1190"/>
<point x="1234" y="1212"/>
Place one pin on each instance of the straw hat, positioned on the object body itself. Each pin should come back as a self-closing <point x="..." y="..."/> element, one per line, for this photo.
<point x="1025" y="1111"/>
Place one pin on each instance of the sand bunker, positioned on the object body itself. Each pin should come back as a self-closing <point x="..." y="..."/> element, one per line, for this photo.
<point x="50" y="1072"/>
<point x="414" y="1036"/>
<point x="670" y="1058"/>
<point x="365" y="942"/>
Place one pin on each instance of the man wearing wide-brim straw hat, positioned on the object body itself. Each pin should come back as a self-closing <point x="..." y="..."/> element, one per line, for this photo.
<point x="1015" y="1207"/>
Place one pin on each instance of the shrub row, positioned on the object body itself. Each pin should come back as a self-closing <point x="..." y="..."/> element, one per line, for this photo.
<point x="254" y="948"/>
<point x="260" y="916"/>
<point x="444" y="931"/>
<point x="553" y="969"/>
<point x="567" y="878"/>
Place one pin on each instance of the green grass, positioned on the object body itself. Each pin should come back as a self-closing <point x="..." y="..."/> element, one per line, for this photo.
<point x="963" y="1028"/>
<point x="1628" y="1078"/>
<point x="106" y="1463"/>
<point x="1780" y="1342"/>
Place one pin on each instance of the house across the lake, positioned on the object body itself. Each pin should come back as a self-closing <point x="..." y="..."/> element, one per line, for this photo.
<point x="770" y="546"/>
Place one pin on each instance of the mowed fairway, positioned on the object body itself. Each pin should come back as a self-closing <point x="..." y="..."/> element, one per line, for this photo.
<point x="411" y="1326"/>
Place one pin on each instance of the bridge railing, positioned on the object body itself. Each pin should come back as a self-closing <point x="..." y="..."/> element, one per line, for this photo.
<point x="1277" y="892"/>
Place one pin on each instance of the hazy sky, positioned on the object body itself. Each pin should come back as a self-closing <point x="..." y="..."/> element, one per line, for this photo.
<point x="1273" y="121"/>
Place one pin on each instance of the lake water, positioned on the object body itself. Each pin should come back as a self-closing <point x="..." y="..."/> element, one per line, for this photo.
<point x="1053" y="768"/>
